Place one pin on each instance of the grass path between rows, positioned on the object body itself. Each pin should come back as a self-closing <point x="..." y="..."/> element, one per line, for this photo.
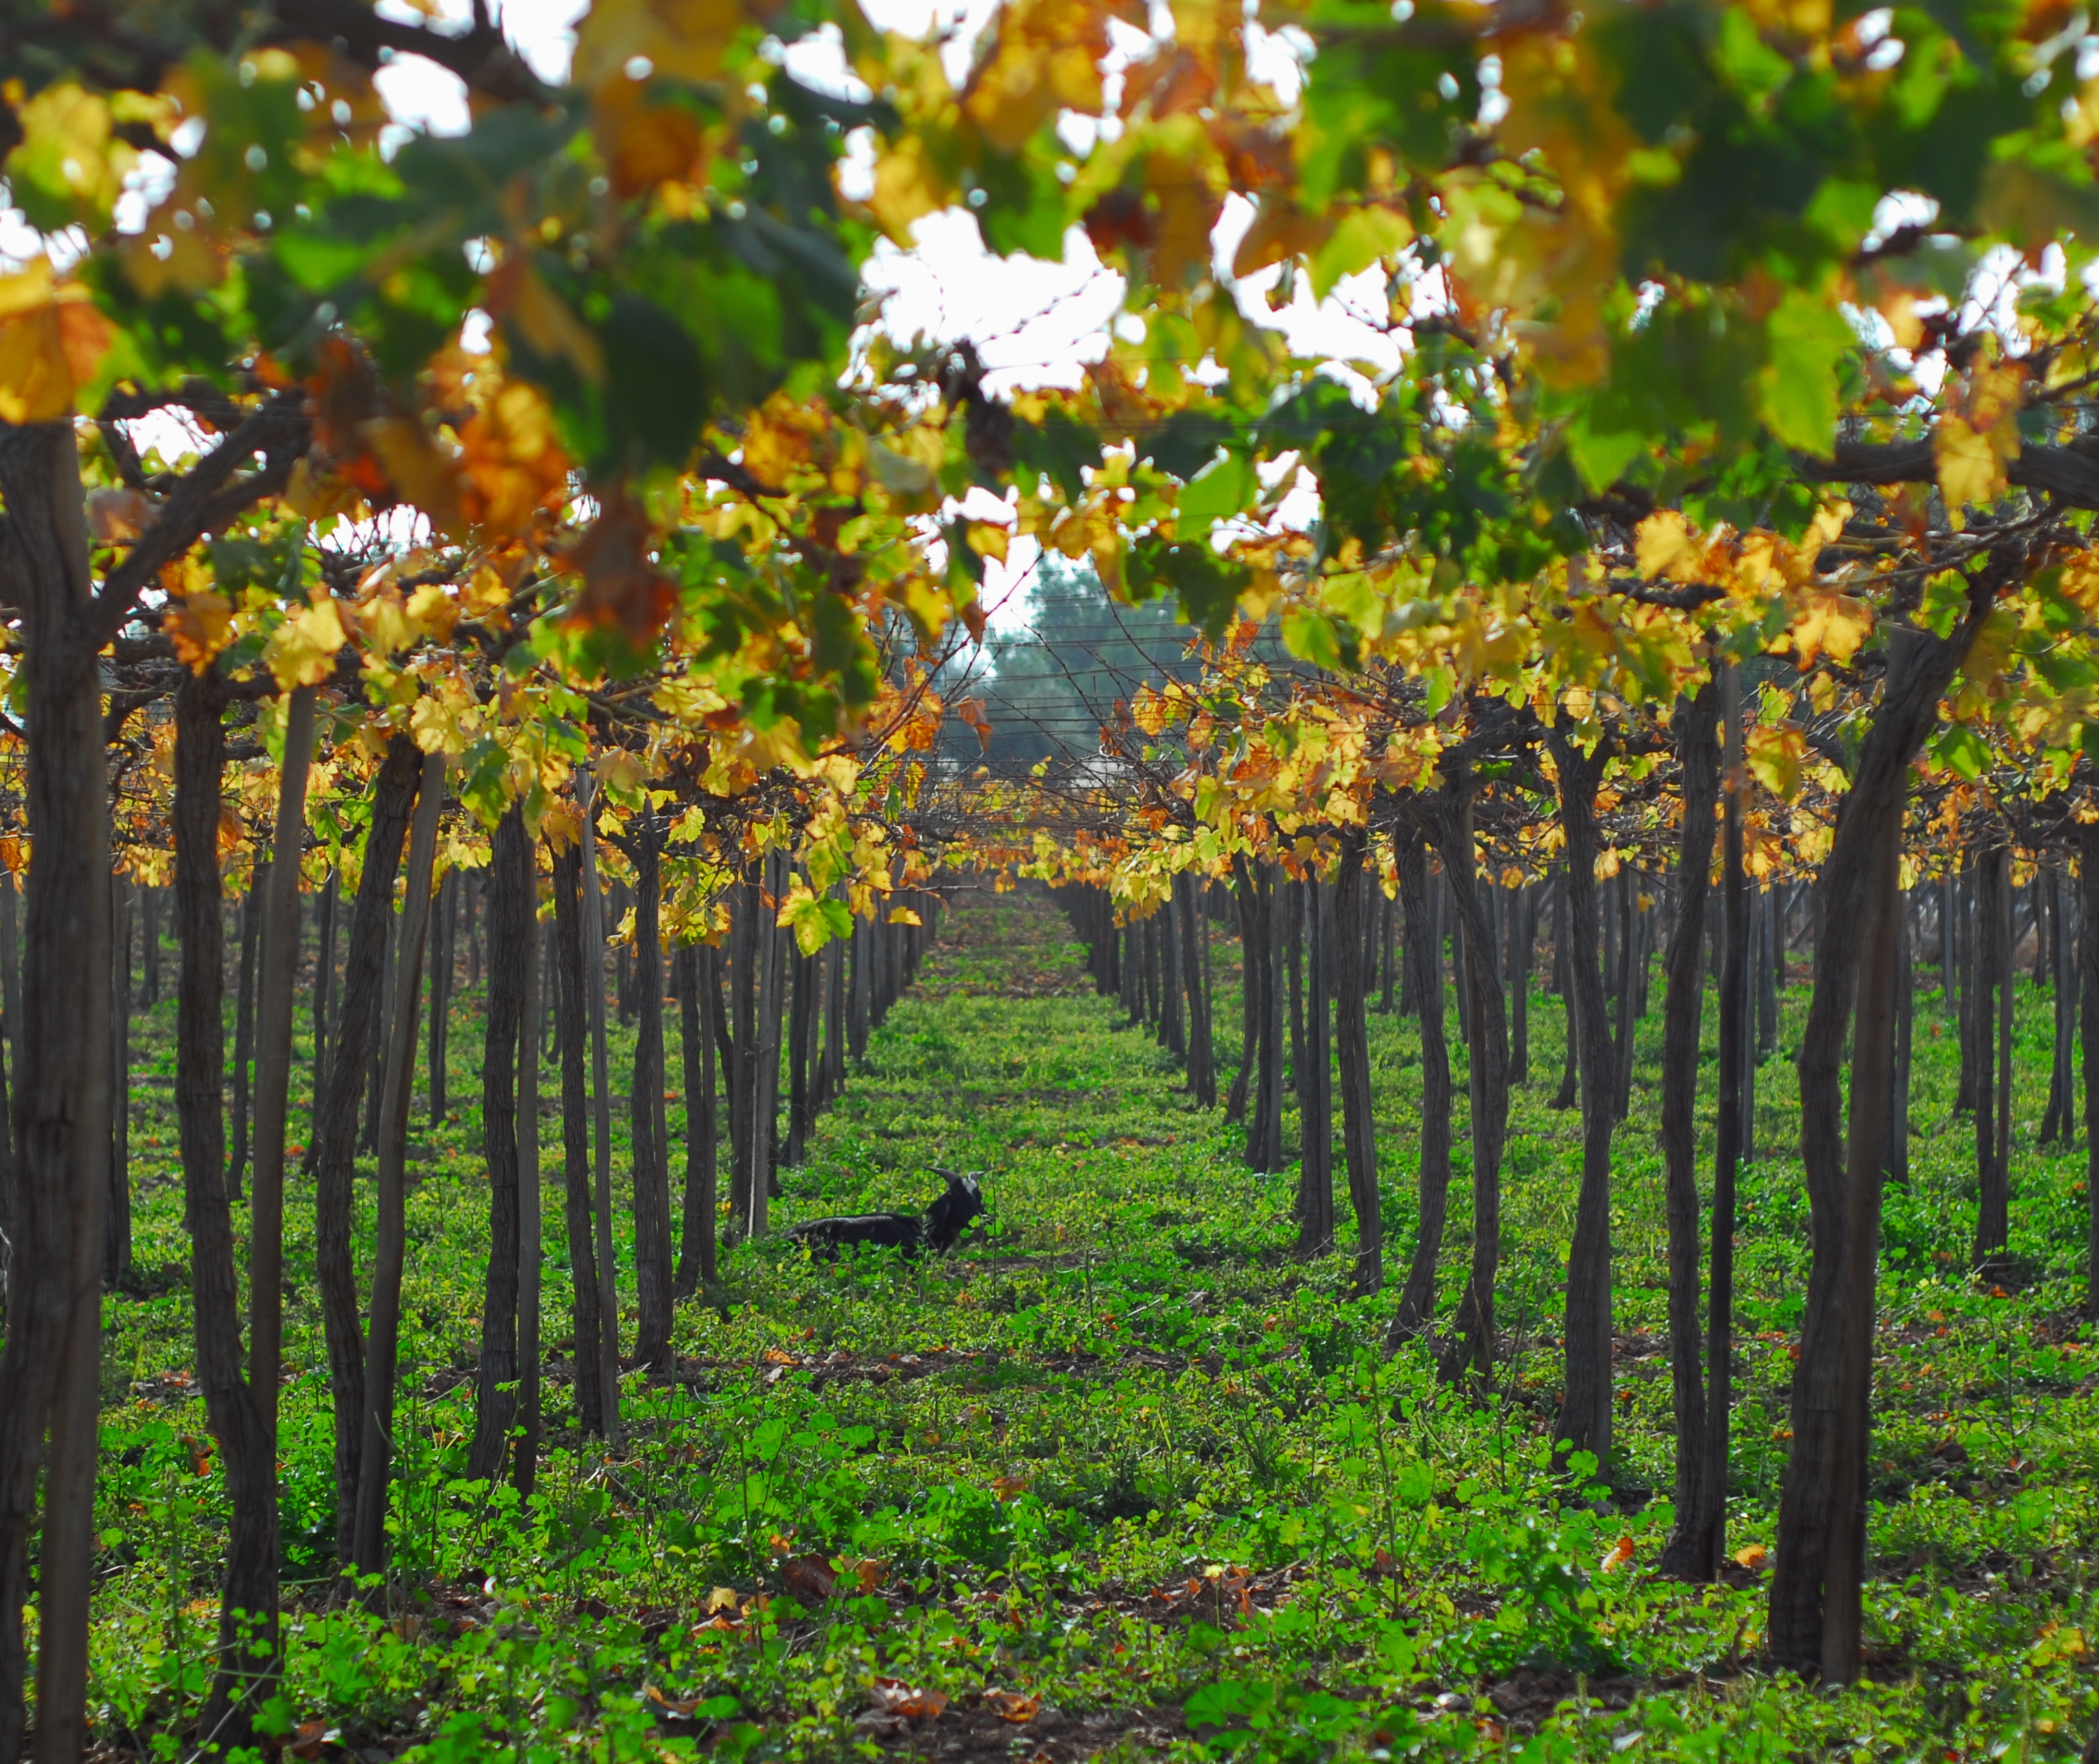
<point x="1124" y="1473"/>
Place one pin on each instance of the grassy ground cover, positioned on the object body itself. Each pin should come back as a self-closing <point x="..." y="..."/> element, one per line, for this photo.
<point x="1124" y="1473"/>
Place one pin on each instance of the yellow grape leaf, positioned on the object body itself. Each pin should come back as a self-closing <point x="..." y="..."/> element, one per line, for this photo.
<point x="418" y="472"/>
<point x="2079" y="580"/>
<point x="69" y="162"/>
<point x="436" y="726"/>
<point x="903" y="916"/>
<point x="382" y="623"/>
<point x="433" y="612"/>
<point x="562" y="825"/>
<point x="907" y="185"/>
<point x="318" y="493"/>
<point x="1362" y="237"/>
<point x="1970" y="467"/>
<point x="1045" y="58"/>
<point x="188" y="258"/>
<point x="1990" y="649"/>
<point x="1665" y="545"/>
<point x="1774" y="756"/>
<point x="1833" y="624"/>
<point x="1149" y="711"/>
<point x="619" y="770"/>
<point x="684" y="39"/>
<point x="301" y="651"/>
<point x="51" y="341"/>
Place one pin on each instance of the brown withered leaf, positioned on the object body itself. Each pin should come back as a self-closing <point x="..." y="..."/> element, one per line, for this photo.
<point x="893" y="1696"/>
<point x="808" y="1577"/>
<point x="623" y="589"/>
<point x="1013" y="1706"/>
<point x="199" y="625"/>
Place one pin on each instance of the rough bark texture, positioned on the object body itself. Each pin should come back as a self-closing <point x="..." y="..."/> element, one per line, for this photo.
<point x="510" y="924"/>
<point x="1966" y="926"/>
<point x="1352" y="891"/>
<point x="1698" y="753"/>
<point x="1585" y="1411"/>
<point x="230" y="1408"/>
<point x="244" y="1023"/>
<point x="1570" y="1068"/>
<point x="1823" y="1429"/>
<point x="1195" y="978"/>
<point x="601" y="1118"/>
<point x="696" y="1241"/>
<point x="531" y="1189"/>
<point x="252" y="1589"/>
<point x="1417" y="1299"/>
<point x="1315" y="1113"/>
<point x="1268" y="1081"/>
<point x="50" y="1374"/>
<point x="1524" y="912"/>
<point x="364" y="965"/>
<point x="323" y="997"/>
<point x="1473" y="1339"/>
<point x="441" y="994"/>
<point x="116" y="1237"/>
<point x="1872" y="1040"/>
<point x="800" y="1035"/>
<point x="2059" y="1125"/>
<point x="390" y="1246"/>
<point x="1993" y="982"/>
<point x="570" y="1034"/>
<point x="1250" y="973"/>
<point x="647" y="1134"/>
<point x="770" y="960"/>
<point x="2087" y="961"/>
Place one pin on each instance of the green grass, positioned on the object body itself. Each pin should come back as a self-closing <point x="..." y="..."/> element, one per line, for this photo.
<point x="1126" y="1455"/>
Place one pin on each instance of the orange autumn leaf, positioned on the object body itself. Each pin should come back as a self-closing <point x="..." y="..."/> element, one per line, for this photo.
<point x="1013" y="1706"/>
<point x="893" y="1696"/>
<point x="623" y="589"/>
<point x="199" y="625"/>
<point x="512" y="466"/>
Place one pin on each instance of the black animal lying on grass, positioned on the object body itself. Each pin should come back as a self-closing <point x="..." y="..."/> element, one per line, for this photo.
<point x="936" y="1229"/>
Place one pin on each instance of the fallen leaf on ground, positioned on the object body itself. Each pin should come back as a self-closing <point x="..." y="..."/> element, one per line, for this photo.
<point x="1011" y="1705"/>
<point x="809" y="1577"/>
<point x="893" y="1696"/>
